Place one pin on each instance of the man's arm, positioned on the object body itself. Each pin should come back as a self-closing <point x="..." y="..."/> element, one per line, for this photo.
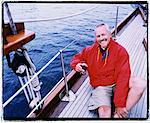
<point x="78" y="61"/>
<point x="122" y="74"/>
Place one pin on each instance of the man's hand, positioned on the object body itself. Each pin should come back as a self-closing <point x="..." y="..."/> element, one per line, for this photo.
<point x="79" y="67"/>
<point x="121" y="112"/>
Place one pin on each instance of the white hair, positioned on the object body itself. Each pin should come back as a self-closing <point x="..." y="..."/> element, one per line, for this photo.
<point x="106" y="25"/>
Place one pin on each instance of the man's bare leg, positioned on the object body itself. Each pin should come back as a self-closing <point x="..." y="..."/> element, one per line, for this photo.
<point x="104" y="111"/>
<point x="137" y="87"/>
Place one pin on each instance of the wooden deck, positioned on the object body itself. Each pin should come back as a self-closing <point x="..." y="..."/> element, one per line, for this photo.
<point x="131" y="38"/>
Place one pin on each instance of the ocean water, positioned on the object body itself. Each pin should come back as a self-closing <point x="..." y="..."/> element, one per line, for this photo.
<point x="51" y="36"/>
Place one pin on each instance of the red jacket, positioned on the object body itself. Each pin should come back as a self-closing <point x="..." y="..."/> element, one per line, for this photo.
<point x="114" y="69"/>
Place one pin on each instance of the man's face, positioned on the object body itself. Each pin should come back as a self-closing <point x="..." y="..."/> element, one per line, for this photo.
<point x="102" y="36"/>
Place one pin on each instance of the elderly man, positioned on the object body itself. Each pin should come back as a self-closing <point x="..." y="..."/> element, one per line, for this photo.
<point x="108" y="67"/>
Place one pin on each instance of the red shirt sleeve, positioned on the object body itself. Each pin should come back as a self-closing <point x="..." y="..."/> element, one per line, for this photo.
<point x="122" y="74"/>
<point x="78" y="58"/>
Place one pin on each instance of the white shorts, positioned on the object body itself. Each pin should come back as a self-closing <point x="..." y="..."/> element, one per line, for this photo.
<point x="101" y="95"/>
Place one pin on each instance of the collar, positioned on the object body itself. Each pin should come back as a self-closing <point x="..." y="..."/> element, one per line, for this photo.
<point x="103" y="50"/>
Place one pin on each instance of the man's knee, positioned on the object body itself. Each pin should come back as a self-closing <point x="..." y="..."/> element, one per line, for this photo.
<point x="104" y="111"/>
<point x="138" y="84"/>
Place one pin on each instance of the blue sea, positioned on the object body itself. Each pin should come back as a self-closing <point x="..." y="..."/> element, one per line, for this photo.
<point x="51" y="36"/>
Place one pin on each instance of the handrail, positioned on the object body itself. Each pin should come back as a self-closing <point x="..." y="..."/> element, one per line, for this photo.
<point x="54" y="19"/>
<point x="36" y="74"/>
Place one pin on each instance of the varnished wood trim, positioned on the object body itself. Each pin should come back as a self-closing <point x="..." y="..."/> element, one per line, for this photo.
<point x="54" y="95"/>
<point x="59" y="88"/>
<point x="18" y="40"/>
<point x="63" y="104"/>
<point x="145" y="44"/>
<point x="7" y="29"/>
<point x="142" y="14"/>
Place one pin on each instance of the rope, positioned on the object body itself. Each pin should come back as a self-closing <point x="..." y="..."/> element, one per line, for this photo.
<point x="59" y="18"/>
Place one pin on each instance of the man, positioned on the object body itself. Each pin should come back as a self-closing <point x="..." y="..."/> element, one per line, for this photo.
<point x="108" y="67"/>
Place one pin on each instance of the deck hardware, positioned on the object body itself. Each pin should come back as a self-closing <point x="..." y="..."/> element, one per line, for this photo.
<point x="69" y="95"/>
<point x="115" y="36"/>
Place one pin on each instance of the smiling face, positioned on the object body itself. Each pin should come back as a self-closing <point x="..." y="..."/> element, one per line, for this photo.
<point x="102" y="36"/>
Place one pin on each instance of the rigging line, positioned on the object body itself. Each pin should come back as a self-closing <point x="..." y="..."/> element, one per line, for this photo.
<point x="54" y="19"/>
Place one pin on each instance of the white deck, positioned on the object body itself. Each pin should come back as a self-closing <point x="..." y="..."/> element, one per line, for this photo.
<point x="131" y="39"/>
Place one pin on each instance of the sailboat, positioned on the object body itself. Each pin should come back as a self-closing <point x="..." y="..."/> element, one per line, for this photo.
<point x="69" y="97"/>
